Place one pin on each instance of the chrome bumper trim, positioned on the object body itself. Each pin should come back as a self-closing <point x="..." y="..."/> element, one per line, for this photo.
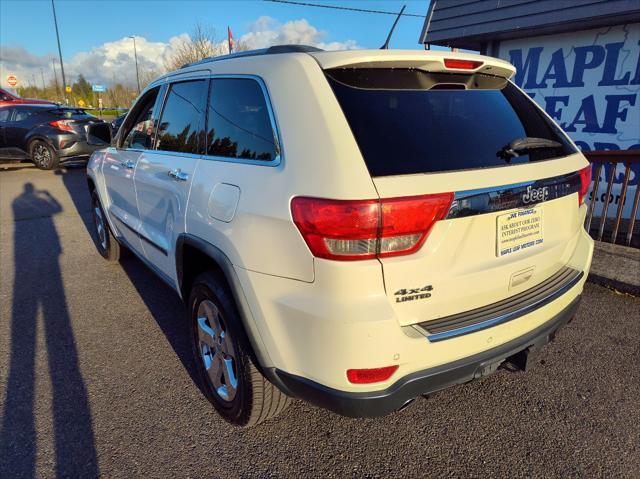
<point x="501" y="311"/>
<point x="517" y="195"/>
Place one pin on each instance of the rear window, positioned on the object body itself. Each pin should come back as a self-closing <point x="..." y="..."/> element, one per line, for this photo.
<point x="409" y="121"/>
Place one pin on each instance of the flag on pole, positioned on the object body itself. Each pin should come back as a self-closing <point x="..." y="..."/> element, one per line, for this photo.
<point x="230" y="39"/>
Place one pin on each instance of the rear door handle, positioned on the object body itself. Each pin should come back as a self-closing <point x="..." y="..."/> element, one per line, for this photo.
<point x="178" y="175"/>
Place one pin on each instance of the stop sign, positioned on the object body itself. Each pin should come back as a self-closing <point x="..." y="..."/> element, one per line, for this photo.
<point x="12" y="80"/>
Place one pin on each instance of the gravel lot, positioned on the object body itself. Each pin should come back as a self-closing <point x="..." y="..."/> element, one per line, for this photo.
<point x="96" y="380"/>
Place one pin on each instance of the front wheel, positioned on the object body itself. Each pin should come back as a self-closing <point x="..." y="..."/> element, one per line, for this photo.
<point x="230" y="379"/>
<point x="43" y="155"/>
<point x="106" y="243"/>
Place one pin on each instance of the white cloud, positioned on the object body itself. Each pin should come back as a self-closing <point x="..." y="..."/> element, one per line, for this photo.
<point x="266" y="31"/>
<point x="114" y="61"/>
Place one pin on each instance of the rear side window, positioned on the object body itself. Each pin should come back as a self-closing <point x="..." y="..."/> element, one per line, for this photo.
<point x="21" y="114"/>
<point x="183" y="117"/>
<point x="408" y="121"/>
<point x="239" y="125"/>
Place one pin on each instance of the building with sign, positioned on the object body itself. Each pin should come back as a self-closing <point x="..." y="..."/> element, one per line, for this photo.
<point x="579" y="60"/>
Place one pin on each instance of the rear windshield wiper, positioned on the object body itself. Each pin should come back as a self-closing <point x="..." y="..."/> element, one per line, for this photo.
<point x="519" y="145"/>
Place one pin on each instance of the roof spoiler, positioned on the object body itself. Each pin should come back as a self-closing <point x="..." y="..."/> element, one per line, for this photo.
<point x="430" y="61"/>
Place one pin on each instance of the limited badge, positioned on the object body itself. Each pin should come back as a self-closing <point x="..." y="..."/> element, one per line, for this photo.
<point x="412" y="294"/>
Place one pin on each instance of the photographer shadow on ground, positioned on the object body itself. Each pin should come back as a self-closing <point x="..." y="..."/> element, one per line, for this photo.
<point x="37" y="249"/>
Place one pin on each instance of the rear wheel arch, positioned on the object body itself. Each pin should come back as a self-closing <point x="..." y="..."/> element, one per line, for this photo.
<point x="194" y="256"/>
<point x="37" y="137"/>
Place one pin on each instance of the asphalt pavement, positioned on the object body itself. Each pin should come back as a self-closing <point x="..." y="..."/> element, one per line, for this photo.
<point x="96" y="379"/>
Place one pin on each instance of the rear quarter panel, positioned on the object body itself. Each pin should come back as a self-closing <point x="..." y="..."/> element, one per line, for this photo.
<point x="319" y="158"/>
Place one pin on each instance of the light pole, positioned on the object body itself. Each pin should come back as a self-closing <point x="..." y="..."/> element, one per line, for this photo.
<point x="135" y="54"/>
<point x="64" y="80"/>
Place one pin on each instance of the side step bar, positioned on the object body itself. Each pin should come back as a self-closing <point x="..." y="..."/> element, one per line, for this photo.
<point x="501" y="311"/>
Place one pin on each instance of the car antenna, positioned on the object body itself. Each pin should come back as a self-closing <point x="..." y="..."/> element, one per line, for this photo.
<point x="386" y="44"/>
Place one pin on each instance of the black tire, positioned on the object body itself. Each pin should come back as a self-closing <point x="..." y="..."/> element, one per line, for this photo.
<point x="43" y="155"/>
<point x="253" y="399"/>
<point x="106" y="244"/>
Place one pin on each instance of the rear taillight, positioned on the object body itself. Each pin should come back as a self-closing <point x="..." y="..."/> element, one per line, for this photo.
<point x="367" y="376"/>
<point x="585" y="182"/>
<point x="62" y="124"/>
<point x="348" y="230"/>
<point x="461" y="64"/>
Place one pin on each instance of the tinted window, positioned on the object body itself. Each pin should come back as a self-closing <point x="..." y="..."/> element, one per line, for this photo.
<point x="183" y="117"/>
<point x="69" y="113"/>
<point x="4" y="114"/>
<point x="410" y="121"/>
<point x="138" y="130"/>
<point x="21" y="114"/>
<point x="238" y="121"/>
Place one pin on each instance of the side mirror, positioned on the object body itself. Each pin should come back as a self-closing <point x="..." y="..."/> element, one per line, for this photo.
<point x="99" y="134"/>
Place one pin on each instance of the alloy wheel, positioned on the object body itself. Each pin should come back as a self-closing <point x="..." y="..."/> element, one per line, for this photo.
<point x="42" y="155"/>
<point x="216" y="350"/>
<point x="100" y="226"/>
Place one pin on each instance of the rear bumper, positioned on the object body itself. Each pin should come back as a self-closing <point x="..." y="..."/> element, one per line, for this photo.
<point x="71" y="147"/>
<point x="77" y="150"/>
<point x="379" y="403"/>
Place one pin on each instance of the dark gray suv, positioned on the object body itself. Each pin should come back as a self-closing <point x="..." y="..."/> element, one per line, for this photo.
<point x="44" y="134"/>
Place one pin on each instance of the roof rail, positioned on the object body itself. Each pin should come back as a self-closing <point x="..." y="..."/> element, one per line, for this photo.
<point x="261" y="51"/>
<point x="292" y="49"/>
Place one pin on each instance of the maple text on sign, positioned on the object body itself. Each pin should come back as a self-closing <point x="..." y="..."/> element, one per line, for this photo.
<point x="589" y="82"/>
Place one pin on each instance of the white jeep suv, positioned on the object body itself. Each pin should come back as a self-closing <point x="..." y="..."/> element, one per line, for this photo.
<point x="354" y="228"/>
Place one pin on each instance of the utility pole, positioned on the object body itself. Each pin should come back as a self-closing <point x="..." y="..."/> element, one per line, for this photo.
<point x="44" y="87"/>
<point x="55" y="77"/>
<point x="135" y="54"/>
<point x="55" y="21"/>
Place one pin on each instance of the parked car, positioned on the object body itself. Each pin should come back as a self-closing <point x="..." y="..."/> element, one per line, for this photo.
<point x="116" y="123"/>
<point x="45" y="134"/>
<point x="355" y="228"/>
<point x="8" y="98"/>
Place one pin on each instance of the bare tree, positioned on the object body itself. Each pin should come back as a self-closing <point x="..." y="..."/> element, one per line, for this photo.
<point x="147" y="76"/>
<point x="119" y="95"/>
<point x="202" y="43"/>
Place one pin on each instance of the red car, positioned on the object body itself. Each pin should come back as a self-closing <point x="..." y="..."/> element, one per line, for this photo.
<point x="7" y="98"/>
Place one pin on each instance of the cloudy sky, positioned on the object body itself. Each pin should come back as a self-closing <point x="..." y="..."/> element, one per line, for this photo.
<point x="95" y="34"/>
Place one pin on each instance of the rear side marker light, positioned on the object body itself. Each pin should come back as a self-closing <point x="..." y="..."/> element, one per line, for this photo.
<point x="461" y="64"/>
<point x="61" y="125"/>
<point x="348" y="230"/>
<point x="368" y="376"/>
<point x="585" y="182"/>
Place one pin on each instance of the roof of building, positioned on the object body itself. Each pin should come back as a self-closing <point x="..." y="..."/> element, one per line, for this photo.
<point x="471" y="24"/>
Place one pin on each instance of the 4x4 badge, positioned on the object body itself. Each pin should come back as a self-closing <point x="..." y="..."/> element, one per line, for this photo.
<point x="412" y="294"/>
